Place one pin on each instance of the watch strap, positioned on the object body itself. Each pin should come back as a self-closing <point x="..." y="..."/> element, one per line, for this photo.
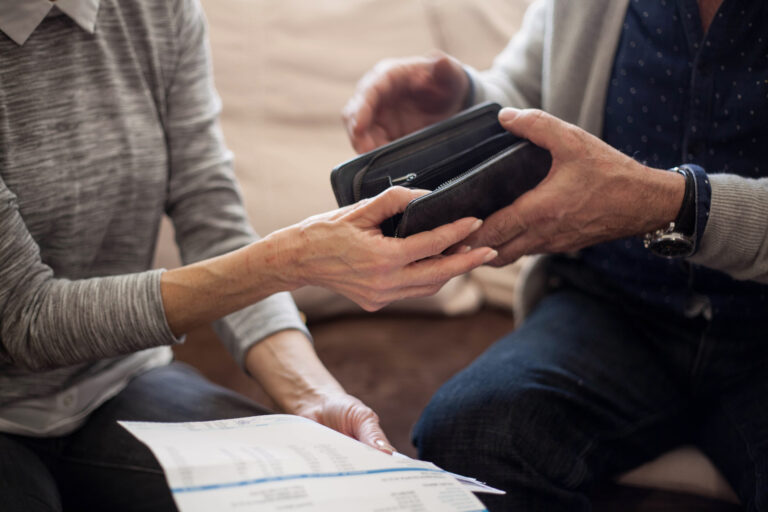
<point x="685" y="222"/>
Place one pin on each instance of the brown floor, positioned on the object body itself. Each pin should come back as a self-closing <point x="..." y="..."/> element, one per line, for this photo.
<point x="395" y="363"/>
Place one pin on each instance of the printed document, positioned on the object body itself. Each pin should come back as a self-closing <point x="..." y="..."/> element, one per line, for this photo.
<point x="286" y="463"/>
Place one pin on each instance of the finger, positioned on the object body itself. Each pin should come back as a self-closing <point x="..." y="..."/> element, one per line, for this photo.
<point x="388" y="203"/>
<point x="444" y="69"/>
<point x="459" y="248"/>
<point x="357" y="116"/>
<point x="369" y="431"/>
<point x="436" y="271"/>
<point x="378" y="136"/>
<point x="500" y="227"/>
<point x="373" y="89"/>
<point x="429" y="243"/>
<point x="515" y="249"/>
<point x="539" y="127"/>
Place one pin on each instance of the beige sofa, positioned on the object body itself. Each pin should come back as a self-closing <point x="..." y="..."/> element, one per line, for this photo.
<point x="285" y="68"/>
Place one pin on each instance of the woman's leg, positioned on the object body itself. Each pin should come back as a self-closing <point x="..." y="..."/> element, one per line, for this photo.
<point x="26" y="485"/>
<point x="103" y="467"/>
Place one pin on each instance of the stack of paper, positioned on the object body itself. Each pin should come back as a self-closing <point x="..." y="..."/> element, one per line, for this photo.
<point x="282" y="462"/>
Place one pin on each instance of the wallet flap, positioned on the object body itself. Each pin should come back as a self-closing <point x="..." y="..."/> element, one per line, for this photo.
<point x="416" y="150"/>
<point x="481" y="191"/>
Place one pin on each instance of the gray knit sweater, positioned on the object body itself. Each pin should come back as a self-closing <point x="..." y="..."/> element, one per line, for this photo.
<point x="101" y="135"/>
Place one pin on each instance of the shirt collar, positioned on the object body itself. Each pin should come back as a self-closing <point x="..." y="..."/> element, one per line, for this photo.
<point x="19" y="18"/>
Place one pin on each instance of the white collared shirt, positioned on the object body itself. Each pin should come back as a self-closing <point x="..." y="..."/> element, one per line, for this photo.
<point x="20" y="18"/>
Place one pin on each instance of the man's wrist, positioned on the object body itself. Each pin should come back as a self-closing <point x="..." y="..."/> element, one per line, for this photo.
<point x="680" y="237"/>
<point x="664" y="197"/>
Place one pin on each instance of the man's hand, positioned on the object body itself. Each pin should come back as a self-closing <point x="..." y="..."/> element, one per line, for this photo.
<point x="399" y="96"/>
<point x="345" y="251"/>
<point x="592" y="193"/>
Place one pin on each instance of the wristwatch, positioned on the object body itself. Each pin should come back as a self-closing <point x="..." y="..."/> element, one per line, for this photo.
<point x="677" y="240"/>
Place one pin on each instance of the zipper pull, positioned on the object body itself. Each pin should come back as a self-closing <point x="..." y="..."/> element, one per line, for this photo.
<point x="404" y="179"/>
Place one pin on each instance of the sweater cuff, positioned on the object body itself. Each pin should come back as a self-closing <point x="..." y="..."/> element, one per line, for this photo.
<point x="241" y="330"/>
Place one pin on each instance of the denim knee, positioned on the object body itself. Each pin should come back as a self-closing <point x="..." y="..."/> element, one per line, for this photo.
<point x="518" y="435"/>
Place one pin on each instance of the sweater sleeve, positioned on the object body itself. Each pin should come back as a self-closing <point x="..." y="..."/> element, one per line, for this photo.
<point x="204" y="201"/>
<point x="735" y="240"/>
<point x="515" y="79"/>
<point x="44" y="321"/>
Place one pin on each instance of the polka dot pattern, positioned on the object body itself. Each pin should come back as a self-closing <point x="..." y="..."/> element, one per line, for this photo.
<point x="677" y="95"/>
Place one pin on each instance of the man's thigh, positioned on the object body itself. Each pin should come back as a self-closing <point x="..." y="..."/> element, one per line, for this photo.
<point x="103" y="467"/>
<point x="734" y="434"/>
<point x="581" y="390"/>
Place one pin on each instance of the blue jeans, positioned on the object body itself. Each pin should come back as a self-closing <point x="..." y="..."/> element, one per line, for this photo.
<point x="588" y="388"/>
<point x="101" y="466"/>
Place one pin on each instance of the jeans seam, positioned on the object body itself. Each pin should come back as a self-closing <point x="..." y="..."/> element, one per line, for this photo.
<point x="532" y="469"/>
<point x="634" y="428"/>
<point x="751" y="456"/>
<point x="109" y="465"/>
<point x="577" y="475"/>
<point x="703" y="350"/>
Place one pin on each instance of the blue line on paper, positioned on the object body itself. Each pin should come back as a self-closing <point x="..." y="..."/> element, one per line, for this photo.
<point x="242" y="483"/>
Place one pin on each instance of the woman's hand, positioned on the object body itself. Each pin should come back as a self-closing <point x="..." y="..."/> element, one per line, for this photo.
<point x="345" y="251"/>
<point x="399" y="96"/>
<point x="348" y="415"/>
<point x="287" y="367"/>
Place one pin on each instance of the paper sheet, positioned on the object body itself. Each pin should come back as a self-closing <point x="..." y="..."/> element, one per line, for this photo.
<point x="283" y="462"/>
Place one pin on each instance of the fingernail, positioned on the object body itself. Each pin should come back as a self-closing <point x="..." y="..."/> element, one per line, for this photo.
<point x="490" y="256"/>
<point x="464" y="249"/>
<point x="508" y="114"/>
<point x="477" y="225"/>
<point x="384" y="446"/>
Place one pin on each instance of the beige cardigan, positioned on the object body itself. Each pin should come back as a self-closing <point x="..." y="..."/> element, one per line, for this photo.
<point x="561" y="60"/>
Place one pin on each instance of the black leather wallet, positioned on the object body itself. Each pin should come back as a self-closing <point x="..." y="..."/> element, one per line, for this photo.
<point x="471" y="164"/>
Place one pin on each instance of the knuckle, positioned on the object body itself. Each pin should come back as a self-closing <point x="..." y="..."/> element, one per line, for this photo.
<point x="496" y="232"/>
<point x="435" y="288"/>
<point x="534" y="115"/>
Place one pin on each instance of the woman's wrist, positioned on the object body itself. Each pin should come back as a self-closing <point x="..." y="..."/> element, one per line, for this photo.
<point x="279" y="256"/>
<point x="199" y="293"/>
<point x="287" y="367"/>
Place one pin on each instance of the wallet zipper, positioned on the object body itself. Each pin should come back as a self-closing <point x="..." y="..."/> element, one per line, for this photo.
<point x="405" y="179"/>
<point x="442" y="185"/>
<point x="451" y="181"/>
<point x="456" y="178"/>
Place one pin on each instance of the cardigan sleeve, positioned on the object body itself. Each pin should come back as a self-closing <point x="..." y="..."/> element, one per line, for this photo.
<point x="48" y="322"/>
<point x="204" y="200"/>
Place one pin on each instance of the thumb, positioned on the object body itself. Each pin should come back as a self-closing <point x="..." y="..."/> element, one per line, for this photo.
<point x="369" y="432"/>
<point x="385" y="205"/>
<point x="445" y="69"/>
<point x="544" y="130"/>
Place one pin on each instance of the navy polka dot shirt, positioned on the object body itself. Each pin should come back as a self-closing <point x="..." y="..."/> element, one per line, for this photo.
<point x="679" y="96"/>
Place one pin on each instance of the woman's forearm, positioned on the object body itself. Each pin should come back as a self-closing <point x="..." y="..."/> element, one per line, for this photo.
<point x="197" y="294"/>
<point x="342" y="250"/>
<point x="287" y="367"/>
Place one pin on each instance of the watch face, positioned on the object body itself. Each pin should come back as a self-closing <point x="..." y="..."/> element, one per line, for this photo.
<point x="673" y="245"/>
